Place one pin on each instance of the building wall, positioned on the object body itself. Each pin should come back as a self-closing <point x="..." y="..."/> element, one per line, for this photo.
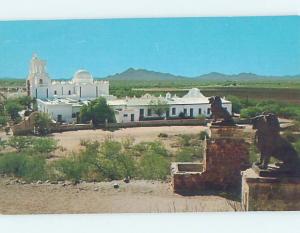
<point x="65" y="90"/>
<point x="63" y="109"/>
<point x="127" y="115"/>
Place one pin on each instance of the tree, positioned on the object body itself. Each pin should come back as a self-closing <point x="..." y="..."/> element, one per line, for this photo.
<point x="42" y="123"/>
<point x="25" y="101"/>
<point x="98" y="111"/>
<point x="159" y="106"/>
<point x="12" y="107"/>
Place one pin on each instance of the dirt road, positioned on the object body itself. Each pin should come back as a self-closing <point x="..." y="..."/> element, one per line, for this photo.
<point x="135" y="197"/>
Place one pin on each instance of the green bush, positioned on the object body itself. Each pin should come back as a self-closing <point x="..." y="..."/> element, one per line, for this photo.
<point x="184" y="155"/>
<point x="3" y="120"/>
<point x="69" y="168"/>
<point x="12" y="108"/>
<point x="154" y="167"/>
<point x="185" y="139"/>
<point x="44" y="145"/>
<point x="28" y="167"/>
<point x="250" y="112"/>
<point x="20" y="143"/>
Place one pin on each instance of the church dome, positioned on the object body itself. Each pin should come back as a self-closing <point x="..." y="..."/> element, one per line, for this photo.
<point x="194" y="93"/>
<point x="82" y="76"/>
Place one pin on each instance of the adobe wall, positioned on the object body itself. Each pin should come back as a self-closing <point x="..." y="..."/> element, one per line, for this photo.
<point x="26" y="126"/>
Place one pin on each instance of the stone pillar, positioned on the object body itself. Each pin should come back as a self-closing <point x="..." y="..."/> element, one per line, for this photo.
<point x="227" y="155"/>
<point x="269" y="193"/>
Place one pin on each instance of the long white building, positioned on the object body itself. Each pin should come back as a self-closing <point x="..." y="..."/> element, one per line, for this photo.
<point x="193" y="104"/>
<point x="62" y="100"/>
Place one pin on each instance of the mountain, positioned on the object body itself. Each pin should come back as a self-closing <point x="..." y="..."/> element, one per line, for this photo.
<point x="143" y="75"/>
<point x="214" y="76"/>
<point x="146" y="75"/>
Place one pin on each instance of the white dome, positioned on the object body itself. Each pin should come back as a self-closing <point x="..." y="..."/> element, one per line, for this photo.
<point x="82" y="76"/>
<point x="194" y="93"/>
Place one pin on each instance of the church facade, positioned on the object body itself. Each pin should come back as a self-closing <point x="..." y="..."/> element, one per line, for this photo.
<point x="82" y="86"/>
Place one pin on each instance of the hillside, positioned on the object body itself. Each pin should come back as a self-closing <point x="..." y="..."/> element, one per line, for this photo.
<point x="143" y="75"/>
<point x="146" y="75"/>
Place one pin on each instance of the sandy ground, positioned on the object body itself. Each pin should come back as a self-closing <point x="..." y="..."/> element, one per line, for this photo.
<point x="137" y="196"/>
<point x="71" y="140"/>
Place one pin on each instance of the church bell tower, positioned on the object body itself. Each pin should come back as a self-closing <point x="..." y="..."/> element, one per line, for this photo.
<point x="38" y="79"/>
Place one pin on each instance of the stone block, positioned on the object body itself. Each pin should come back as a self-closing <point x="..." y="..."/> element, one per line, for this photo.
<point x="269" y="193"/>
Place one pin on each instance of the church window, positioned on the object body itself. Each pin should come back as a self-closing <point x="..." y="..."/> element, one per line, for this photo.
<point x="41" y="81"/>
<point x="55" y="92"/>
<point x="69" y="92"/>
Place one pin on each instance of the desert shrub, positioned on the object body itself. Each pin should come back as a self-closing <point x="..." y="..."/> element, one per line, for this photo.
<point x="3" y="120"/>
<point x="44" y="145"/>
<point x="250" y="112"/>
<point x="127" y="142"/>
<point x="126" y="165"/>
<point x="70" y="168"/>
<point x="20" y="143"/>
<point x="33" y="145"/>
<point x="21" y="165"/>
<point x="184" y="155"/>
<point x="162" y="135"/>
<point x="185" y="139"/>
<point x="154" y="167"/>
<point x="248" y="103"/>
<point x="105" y="161"/>
<point x="188" y="154"/>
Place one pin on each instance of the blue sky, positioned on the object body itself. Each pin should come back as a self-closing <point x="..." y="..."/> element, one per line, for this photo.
<point x="182" y="46"/>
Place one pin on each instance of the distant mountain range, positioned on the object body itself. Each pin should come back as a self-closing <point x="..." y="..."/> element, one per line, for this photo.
<point x="146" y="75"/>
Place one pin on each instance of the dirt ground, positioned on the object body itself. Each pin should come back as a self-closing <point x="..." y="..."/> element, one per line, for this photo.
<point x="71" y="140"/>
<point x="136" y="196"/>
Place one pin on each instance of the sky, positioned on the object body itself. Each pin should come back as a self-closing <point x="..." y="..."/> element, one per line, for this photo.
<point x="181" y="46"/>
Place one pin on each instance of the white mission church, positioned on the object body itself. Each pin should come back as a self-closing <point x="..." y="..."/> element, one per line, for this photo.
<point x="62" y="100"/>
